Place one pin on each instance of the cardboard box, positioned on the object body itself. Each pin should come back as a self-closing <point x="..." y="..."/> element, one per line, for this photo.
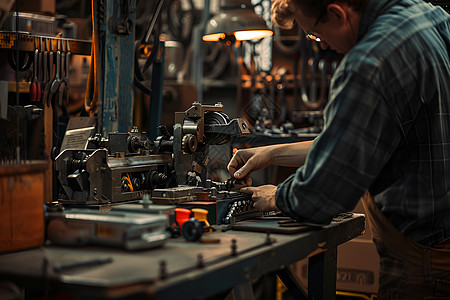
<point x="357" y="267"/>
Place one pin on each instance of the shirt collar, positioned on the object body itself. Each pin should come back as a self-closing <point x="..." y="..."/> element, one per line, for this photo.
<point x="371" y="11"/>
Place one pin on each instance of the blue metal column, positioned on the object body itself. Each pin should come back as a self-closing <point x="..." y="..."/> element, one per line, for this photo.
<point x="115" y="101"/>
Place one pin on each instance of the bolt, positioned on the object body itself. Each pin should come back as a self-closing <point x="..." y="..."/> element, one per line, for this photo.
<point x="268" y="239"/>
<point x="200" y="261"/>
<point x="162" y="269"/>
<point x="233" y="247"/>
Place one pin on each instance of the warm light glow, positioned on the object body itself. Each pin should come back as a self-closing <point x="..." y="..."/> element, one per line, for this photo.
<point x="252" y="34"/>
<point x="213" y="37"/>
<point x="313" y="37"/>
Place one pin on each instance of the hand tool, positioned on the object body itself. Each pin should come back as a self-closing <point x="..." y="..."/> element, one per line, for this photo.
<point x="182" y="215"/>
<point x="23" y="63"/>
<point x="201" y="215"/>
<point x="57" y="79"/>
<point x="35" y="86"/>
<point x="66" y="77"/>
<point x="83" y="263"/>
<point x="62" y="92"/>
<point x="41" y="67"/>
<point x="44" y="65"/>
<point x="49" y="76"/>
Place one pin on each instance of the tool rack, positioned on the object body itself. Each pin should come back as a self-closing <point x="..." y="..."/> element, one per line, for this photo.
<point x="26" y="42"/>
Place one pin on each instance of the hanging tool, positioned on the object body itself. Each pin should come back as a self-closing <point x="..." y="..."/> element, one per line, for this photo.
<point x="67" y="69"/>
<point x="23" y="63"/>
<point x="49" y="75"/>
<point x="44" y="65"/>
<point x="35" y="86"/>
<point x="62" y="92"/>
<point x="41" y="67"/>
<point x="57" y="79"/>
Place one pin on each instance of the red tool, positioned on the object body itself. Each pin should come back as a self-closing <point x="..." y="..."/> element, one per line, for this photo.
<point x="35" y="86"/>
<point x="182" y="215"/>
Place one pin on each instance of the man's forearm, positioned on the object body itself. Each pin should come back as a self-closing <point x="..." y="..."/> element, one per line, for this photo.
<point x="290" y="155"/>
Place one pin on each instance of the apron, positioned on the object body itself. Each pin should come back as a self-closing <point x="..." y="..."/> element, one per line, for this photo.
<point x="399" y="246"/>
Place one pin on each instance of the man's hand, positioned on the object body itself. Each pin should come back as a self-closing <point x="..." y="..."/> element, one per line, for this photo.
<point x="263" y="196"/>
<point x="246" y="161"/>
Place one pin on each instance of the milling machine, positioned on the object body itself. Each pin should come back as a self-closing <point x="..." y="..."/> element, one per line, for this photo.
<point x="125" y="166"/>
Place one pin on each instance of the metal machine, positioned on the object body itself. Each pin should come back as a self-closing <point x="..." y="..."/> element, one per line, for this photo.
<point x="125" y="166"/>
<point x="196" y="129"/>
<point x="120" y="168"/>
<point x="129" y="230"/>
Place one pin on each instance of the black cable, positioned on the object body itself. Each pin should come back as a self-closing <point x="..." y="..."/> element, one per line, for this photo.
<point x="152" y="30"/>
<point x="174" y="21"/>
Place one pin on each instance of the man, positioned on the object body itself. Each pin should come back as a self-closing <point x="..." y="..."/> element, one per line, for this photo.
<point x="386" y="136"/>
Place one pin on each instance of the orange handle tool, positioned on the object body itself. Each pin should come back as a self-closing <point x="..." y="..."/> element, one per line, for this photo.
<point x="182" y="215"/>
<point x="201" y="215"/>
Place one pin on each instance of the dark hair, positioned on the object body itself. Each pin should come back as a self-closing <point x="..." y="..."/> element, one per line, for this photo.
<point x="282" y="11"/>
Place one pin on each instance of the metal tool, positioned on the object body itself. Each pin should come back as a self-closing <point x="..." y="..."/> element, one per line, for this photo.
<point x="41" y="66"/>
<point x="67" y="71"/>
<point x="56" y="82"/>
<point x="35" y="86"/>
<point x="24" y="60"/>
<point x="46" y="99"/>
<point x="62" y="92"/>
<point x="83" y="263"/>
<point x="44" y="66"/>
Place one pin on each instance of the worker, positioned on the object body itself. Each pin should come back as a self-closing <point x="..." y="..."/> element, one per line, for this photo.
<point x="386" y="137"/>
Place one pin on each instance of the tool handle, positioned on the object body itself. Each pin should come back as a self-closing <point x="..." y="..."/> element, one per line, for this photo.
<point x="33" y="91"/>
<point x="182" y="215"/>
<point x="38" y="92"/>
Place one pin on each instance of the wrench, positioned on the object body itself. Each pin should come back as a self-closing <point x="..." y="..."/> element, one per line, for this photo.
<point x="63" y="86"/>
<point x="49" y="67"/>
<point x="65" y="59"/>
<point x="57" y="79"/>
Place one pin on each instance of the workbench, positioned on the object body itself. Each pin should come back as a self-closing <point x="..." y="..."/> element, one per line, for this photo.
<point x="187" y="270"/>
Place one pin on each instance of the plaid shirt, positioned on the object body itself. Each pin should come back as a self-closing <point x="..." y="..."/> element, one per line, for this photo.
<point x="387" y="126"/>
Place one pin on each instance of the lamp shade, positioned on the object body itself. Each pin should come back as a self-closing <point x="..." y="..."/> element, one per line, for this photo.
<point x="243" y="23"/>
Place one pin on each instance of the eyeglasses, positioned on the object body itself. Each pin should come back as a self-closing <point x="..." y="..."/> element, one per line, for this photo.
<point x="310" y="34"/>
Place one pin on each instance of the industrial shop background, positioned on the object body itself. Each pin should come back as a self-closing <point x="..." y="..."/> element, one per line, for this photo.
<point x="118" y="119"/>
